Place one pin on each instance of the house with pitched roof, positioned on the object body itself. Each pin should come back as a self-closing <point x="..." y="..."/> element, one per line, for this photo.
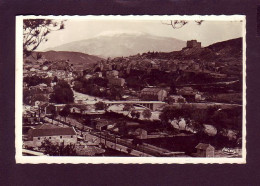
<point x="116" y="81"/>
<point x="205" y="150"/>
<point x="55" y="134"/>
<point x="153" y="94"/>
<point x="190" y="94"/>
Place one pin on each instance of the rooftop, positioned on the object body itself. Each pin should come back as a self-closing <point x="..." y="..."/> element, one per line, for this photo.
<point x="53" y="132"/>
<point x="46" y="126"/>
<point x="152" y="89"/>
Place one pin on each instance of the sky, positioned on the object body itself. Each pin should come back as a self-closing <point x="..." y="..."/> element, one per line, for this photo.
<point x="207" y="33"/>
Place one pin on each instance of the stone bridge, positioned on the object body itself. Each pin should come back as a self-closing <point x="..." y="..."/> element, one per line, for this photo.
<point x="152" y="105"/>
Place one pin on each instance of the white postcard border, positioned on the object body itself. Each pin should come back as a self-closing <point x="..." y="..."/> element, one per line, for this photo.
<point x="116" y="160"/>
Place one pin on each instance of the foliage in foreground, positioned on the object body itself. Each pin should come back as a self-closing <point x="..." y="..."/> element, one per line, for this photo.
<point x="54" y="149"/>
<point x="220" y="118"/>
<point x="35" y="32"/>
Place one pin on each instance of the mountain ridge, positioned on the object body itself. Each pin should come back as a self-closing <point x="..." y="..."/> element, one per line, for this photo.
<point x="75" y="58"/>
<point x="125" y="44"/>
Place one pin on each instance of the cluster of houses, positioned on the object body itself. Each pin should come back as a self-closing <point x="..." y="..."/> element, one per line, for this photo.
<point x="141" y="62"/>
<point x="190" y="94"/>
<point x="148" y="93"/>
<point x="113" y="72"/>
<point x="111" y="75"/>
<point x="113" y="78"/>
<point x="131" y="128"/>
<point x="61" y="69"/>
<point x="153" y="94"/>
<point x="162" y="94"/>
<point x="43" y="88"/>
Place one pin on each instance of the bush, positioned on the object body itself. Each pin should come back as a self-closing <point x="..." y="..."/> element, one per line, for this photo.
<point x="147" y="114"/>
<point x="58" y="149"/>
<point x="100" y="105"/>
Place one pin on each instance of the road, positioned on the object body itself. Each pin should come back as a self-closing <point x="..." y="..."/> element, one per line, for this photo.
<point x="94" y="135"/>
<point x="110" y="140"/>
<point x="216" y="83"/>
<point x="86" y="98"/>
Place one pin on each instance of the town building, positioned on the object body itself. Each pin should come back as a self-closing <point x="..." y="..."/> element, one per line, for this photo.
<point x="83" y="150"/>
<point x="100" y="124"/>
<point x="183" y="66"/>
<point x="205" y="150"/>
<point x="140" y="133"/>
<point x="25" y="84"/>
<point x="154" y="65"/>
<point x="199" y="97"/>
<point x="107" y="66"/>
<point x="195" y="66"/>
<point x="58" y="108"/>
<point x="98" y="74"/>
<point x="45" y="68"/>
<point x="190" y="94"/>
<point x="117" y="82"/>
<point x="75" y="110"/>
<point x="112" y="74"/>
<point x="32" y="69"/>
<point x="153" y="94"/>
<point x="88" y="76"/>
<point x="31" y="118"/>
<point x="193" y="44"/>
<point x="176" y="99"/>
<point x="78" y="73"/>
<point x="57" y="135"/>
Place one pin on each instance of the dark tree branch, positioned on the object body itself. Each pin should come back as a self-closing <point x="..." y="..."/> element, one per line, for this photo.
<point x="35" y="32"/>
<point x="176" y="24"/>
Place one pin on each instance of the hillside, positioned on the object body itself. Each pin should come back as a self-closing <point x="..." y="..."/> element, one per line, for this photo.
<point x="220" y="62"/>
<point x="225" y="51"/>
<point x="227" y="48"/>
<point x="122" y="44"/>
<point x="75" y="58"/>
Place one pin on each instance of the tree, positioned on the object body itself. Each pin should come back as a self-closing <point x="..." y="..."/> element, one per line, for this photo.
<point x="135" y="114"/>
<point x="170" y="113"/>
<point x="35" y="32"/>
<point x="53" y="112"/>
<point x="82" y="108"/>
<point x="129" y="150"/>
<point x="39" y="97"/>
<point x="100" y="105"/>
<point x="65" y="111"/>
<point x="122" y="127"/>
<point x="31" y="96"/>
<point x="147" y="114"/>
<point x="99" y="81"/>
<point x="56" y="149"/>
<point x="116" y="92"/>
<point x="137" y="141"/>
<point x="128" y="107"/>
<point x="227" y="118"/>
<point x="173" y="87"/>
<point x="55" y="79"/>
<point x="181" y="100"/>
<point x="47" y="81"/>
<point x="176" y="24"/>
<point x="77" y="85"/>
<point x="62" y="93"/>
